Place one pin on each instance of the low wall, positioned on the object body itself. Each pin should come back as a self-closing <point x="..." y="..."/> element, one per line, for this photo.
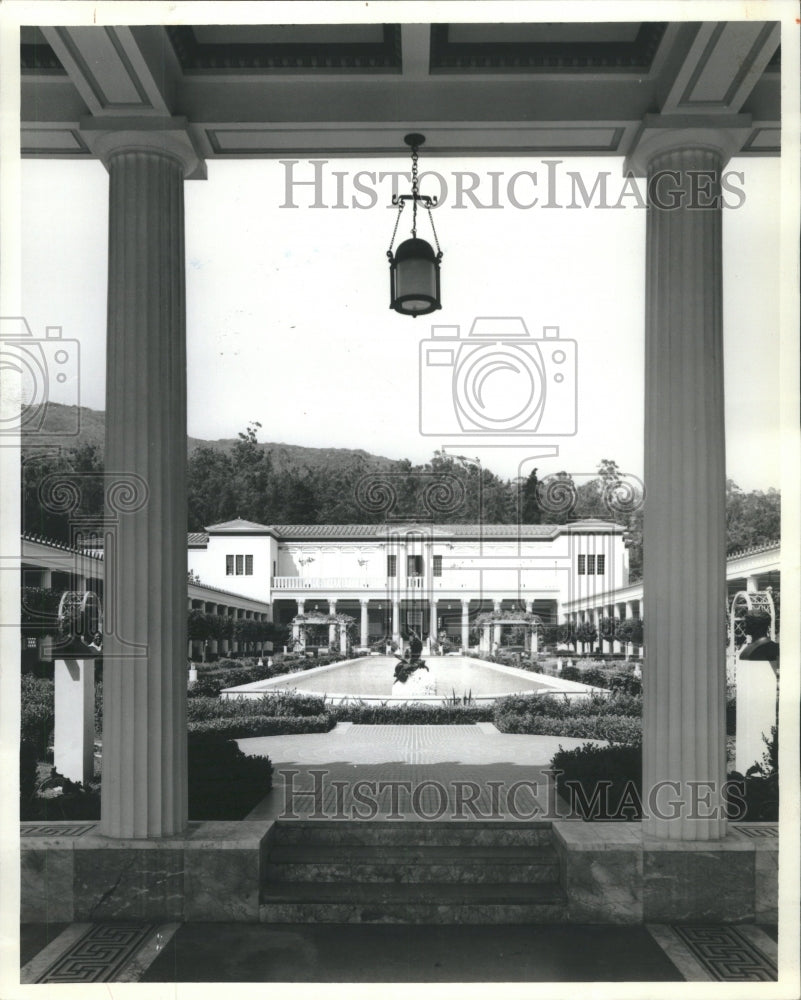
<point x="612" y="874"/>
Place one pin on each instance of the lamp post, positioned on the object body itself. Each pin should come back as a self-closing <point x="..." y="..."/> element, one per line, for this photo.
<point x="414" y="267"/>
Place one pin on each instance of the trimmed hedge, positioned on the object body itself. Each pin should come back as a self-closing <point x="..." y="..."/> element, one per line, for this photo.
<point x="601" y="782"/>
<point x="412" y="715"/>
<point x="614" y="728"/>
<point x="563" y="707"/>
<point x="261" y="725"/>
<point x="201" y="708"/>
<point x="224" y="783"/>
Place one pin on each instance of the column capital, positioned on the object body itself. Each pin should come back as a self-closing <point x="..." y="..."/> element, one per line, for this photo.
<point x="170" y="137"/>
<point x="659" y="134"/>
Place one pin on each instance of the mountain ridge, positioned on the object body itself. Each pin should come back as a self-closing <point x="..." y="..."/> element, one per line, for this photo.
<point x="60" y="420"/>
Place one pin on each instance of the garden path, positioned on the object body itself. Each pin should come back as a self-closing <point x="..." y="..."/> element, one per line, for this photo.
<point x="431" y="770"/>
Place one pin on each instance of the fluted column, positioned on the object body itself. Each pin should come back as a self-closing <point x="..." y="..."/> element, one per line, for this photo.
<point x="332" y="626"/>
<point x="465" y="625"/>
<point x="684" y="751"/>
<point x="144" y="785"/>
<point x="363" y="637"/>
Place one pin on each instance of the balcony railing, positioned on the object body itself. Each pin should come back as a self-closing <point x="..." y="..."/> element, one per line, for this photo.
<point x="329" y="583"/>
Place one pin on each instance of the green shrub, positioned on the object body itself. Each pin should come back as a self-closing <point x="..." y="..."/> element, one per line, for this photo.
<point x="28" y="758"/>
<point x="614" y="728"/>
<point x="625" y="683"/>
<point x="279" y="704"/>
<point x="249" y="726"/>
<point x="570" y="674"/>
<point x="759" y="788"/>
<point x="37" y="712"/>
<point x="595" y="676"/>
<point x="601" y="782"/>
<point x="564" y="707"/>
<point x="411" y="714"/>
<point x="731" y="713"/>
<point x="77" y="802"/>
<point x="224" y="783"/>
<point x="99" y="707"/>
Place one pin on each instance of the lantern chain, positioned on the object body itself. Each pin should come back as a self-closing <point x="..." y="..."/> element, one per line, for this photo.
<point x="395" y="230"/>
<point x="434" y="231"/>
<point x="415" y="192"/>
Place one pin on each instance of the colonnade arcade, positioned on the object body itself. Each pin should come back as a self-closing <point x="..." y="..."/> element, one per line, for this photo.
<point x="700" y="76"/>
<point x="391" y="618"/>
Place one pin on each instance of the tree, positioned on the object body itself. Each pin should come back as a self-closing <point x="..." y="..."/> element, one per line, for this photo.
<point x="210" y="488"/>
<point x="630" y="630"/>
<point x="49" y="477"/>
<point x="586" y="632"/>
<point x="751" y="518"/>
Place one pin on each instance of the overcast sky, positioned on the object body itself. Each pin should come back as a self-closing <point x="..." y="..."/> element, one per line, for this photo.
<point x="287" y="308"/>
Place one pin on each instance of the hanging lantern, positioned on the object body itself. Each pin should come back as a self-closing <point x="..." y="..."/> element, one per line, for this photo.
<point x="414" y="267"/>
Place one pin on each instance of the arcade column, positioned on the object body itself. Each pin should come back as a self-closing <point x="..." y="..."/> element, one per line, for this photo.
<point x="684" y="522"/>
<point x="465" y="625"/>
<point x="144" y="781"/>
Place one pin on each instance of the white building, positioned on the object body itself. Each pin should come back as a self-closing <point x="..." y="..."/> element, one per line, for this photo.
<point x="393" y="576"/>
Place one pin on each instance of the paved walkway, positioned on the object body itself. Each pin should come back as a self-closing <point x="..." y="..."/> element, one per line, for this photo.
<point x="411" y="772"/>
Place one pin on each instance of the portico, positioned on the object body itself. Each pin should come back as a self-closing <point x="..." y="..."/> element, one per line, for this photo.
<point x="153" y="104"/>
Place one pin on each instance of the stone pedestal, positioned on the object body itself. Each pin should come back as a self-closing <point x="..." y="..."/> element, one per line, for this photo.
<point x="756" y="710"/>
<point x="74" y="737"/>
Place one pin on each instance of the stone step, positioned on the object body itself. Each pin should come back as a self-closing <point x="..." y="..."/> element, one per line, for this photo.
<point x="384" y="833"/>
<point x="431" y="903"/>
<point x="411" y="863"/>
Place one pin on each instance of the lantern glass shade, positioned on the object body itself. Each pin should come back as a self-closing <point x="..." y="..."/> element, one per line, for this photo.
<point x="414" y="279"/>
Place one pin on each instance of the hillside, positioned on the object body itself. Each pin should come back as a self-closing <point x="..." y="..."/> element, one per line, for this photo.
<point x="91" y="424"/>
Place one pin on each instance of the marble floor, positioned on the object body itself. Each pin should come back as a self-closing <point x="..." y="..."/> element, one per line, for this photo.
<point x="286" y="953"/>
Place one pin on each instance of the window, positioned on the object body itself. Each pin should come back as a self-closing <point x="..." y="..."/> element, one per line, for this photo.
<point x="392" y="565"/>
<point x="582" y="565"/>
<point x="240" y="566"/>
<point x="414" y="619"/>
<point x="437" y="568"/>
<point x="590" y="565"/>
<point x="414" y="565"/>
<point x="600" y="565"/>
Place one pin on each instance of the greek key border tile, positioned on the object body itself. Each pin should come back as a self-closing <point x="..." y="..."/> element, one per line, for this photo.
<point x="99" y="955"/>
<point x="726" y="954"/>
<point x="55" y="830"/>
<point x="759" y="831"/>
